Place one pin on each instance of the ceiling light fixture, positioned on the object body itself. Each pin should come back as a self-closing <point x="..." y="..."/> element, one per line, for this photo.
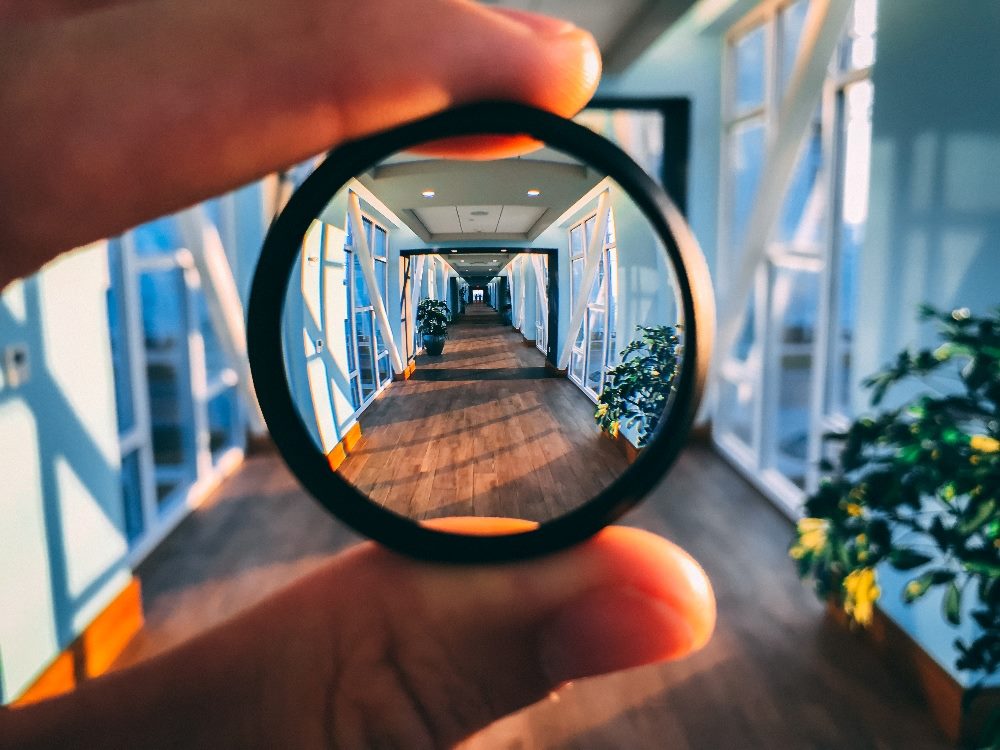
<point x="454" y="251"/>
<point x="503" y="250"/>
<point x="428" y="193"/>
<point x="534" y="192"/>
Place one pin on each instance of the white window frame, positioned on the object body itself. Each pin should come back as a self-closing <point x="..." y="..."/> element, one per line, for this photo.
<point x="760" y="371"/>
<point x="601" y="306"/>
<point x="354" y="377"/>
<point x="161" y="517"/>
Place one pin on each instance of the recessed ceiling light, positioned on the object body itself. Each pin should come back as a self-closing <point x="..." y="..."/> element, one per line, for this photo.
<point x="534" y="192"/>
<point x="503" y="250"/>
<point x="454" y="251"/>
<point x="428" y="193"/>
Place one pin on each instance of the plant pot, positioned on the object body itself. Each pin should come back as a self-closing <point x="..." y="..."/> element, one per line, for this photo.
<point x="433" y="345"/>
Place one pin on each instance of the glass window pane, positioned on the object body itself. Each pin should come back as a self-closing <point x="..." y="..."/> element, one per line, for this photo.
<point x="384" y="370"/>
<point x="854" y="176"/>
<point x="577" y="280"/>
<point x="576" y="241"/>
<point x="381" y="243"/>
<point x="792" y="20"/>
<point x="157" y="237"/>
<point x="165" y="324"/>
<point x="597" y="288"/>
<point x="358" y="286"/>
<point x="132" y="496"/>
<point x="795" y="295"/>
<point x="366" y="352"/>
<point x="749" y="53"/>
<point x="735" y="411"/>
<point x="588" y="227"/>
<point x="595" y="350"/>
<point x="216" y="361"/>
<point x="222" y="421"/>
<point x="119" y="338"/>
<point x="611" y="258"/>
<point x="747" y="159"/>
<point x="576" y="366"/>
<point x="382" y="279"/>
<point x="804" y="209"/>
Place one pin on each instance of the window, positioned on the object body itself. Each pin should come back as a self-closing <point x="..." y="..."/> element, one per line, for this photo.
<point x="368" y="357"/>
<point x="594" y="348"/>
<point x="180" y="418"/>
<point x="788" y="379"/>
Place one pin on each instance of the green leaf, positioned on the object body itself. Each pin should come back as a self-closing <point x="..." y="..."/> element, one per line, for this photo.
<point x="907" y="559"/>
<point x="951" y="607"/>
<point x="917" y="587"/>
<point x="981" y="516"/>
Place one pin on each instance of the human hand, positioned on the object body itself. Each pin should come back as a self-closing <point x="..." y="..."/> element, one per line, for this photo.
<point x="377" y="650"/>
<point x="118" y="111"/>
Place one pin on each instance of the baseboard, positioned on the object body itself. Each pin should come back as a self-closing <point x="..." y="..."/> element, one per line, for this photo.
<point x="340" y="451"/>
<point x="913" y="664"/>
<point x="92" y="652"/>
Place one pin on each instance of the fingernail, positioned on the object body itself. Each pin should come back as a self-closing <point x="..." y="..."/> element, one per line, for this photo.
<point x="544" y="25"/>
<point x="608" y="630"/>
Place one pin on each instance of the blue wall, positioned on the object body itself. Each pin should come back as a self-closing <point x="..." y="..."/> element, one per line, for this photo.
<point x="934" y="208"/>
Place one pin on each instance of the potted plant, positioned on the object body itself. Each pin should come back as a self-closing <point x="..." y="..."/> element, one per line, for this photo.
<point x="917" y="488"/>
<point x="636" y="392"/>
<point x="432" y="324"/>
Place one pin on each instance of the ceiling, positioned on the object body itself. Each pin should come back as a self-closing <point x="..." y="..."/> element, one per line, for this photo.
<point x="623" y="29"/>
<point x="477" y="267"/>
<point x="506" y="200"/>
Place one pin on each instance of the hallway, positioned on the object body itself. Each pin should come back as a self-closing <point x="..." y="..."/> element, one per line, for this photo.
<point x="482" y="430"/>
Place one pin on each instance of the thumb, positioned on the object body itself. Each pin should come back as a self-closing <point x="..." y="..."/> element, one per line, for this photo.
<point x="428" y="653"/>
<point x="215" y="93"/>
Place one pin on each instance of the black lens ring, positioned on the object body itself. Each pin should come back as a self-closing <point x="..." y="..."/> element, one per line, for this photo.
<point x="291" y="436"/>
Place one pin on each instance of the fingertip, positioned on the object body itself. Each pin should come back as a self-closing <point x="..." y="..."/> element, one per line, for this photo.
<point x="664" y="571"/>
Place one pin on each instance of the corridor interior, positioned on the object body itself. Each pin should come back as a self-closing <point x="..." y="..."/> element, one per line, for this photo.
<point x="484" y="429"/>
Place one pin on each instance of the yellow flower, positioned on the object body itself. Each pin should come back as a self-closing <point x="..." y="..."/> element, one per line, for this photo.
<point x="602" y="410"/>
<point x="812" y="534"/>
<point x="974" y="460"/>
<point x="984" y="444"/>
<point x="656" y="373"/>
<point x="614" y="429"/>
<point x="798" y="552"/>
<point x="862" y="592"/>
<point x="913" y="588"/>
<point x="861" y="539"/>
<point x="853" y="509"/>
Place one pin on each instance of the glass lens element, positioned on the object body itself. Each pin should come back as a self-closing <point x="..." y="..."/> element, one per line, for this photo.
<point x="459" y="346"/>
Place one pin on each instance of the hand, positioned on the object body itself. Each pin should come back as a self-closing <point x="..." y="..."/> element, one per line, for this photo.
<point x="376" y="650"/>
<point x="115" y="112"/>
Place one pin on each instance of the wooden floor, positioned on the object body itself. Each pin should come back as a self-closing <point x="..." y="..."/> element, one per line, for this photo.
<point x="482" y="430"/>
<point x="777" y="674"/>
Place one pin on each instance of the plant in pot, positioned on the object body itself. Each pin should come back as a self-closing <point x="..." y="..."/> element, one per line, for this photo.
<point x="432" y="324"/>
<point x="917" y="488"/>
<point x="636" y="392"/>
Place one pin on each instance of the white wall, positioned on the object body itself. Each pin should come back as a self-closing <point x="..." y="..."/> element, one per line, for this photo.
<point x="62" y="543"/>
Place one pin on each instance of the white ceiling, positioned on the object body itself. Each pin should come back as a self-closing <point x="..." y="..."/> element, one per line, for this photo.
<point x="623" y="29"/>
<point x="480" y="200"/>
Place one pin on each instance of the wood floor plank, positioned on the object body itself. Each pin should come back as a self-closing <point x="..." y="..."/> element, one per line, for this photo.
<point x="485" y="406"/>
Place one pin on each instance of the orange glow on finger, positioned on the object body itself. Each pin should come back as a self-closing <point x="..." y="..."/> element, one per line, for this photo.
<point x="479" y="147"/>
<point x="480" y="526"/>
